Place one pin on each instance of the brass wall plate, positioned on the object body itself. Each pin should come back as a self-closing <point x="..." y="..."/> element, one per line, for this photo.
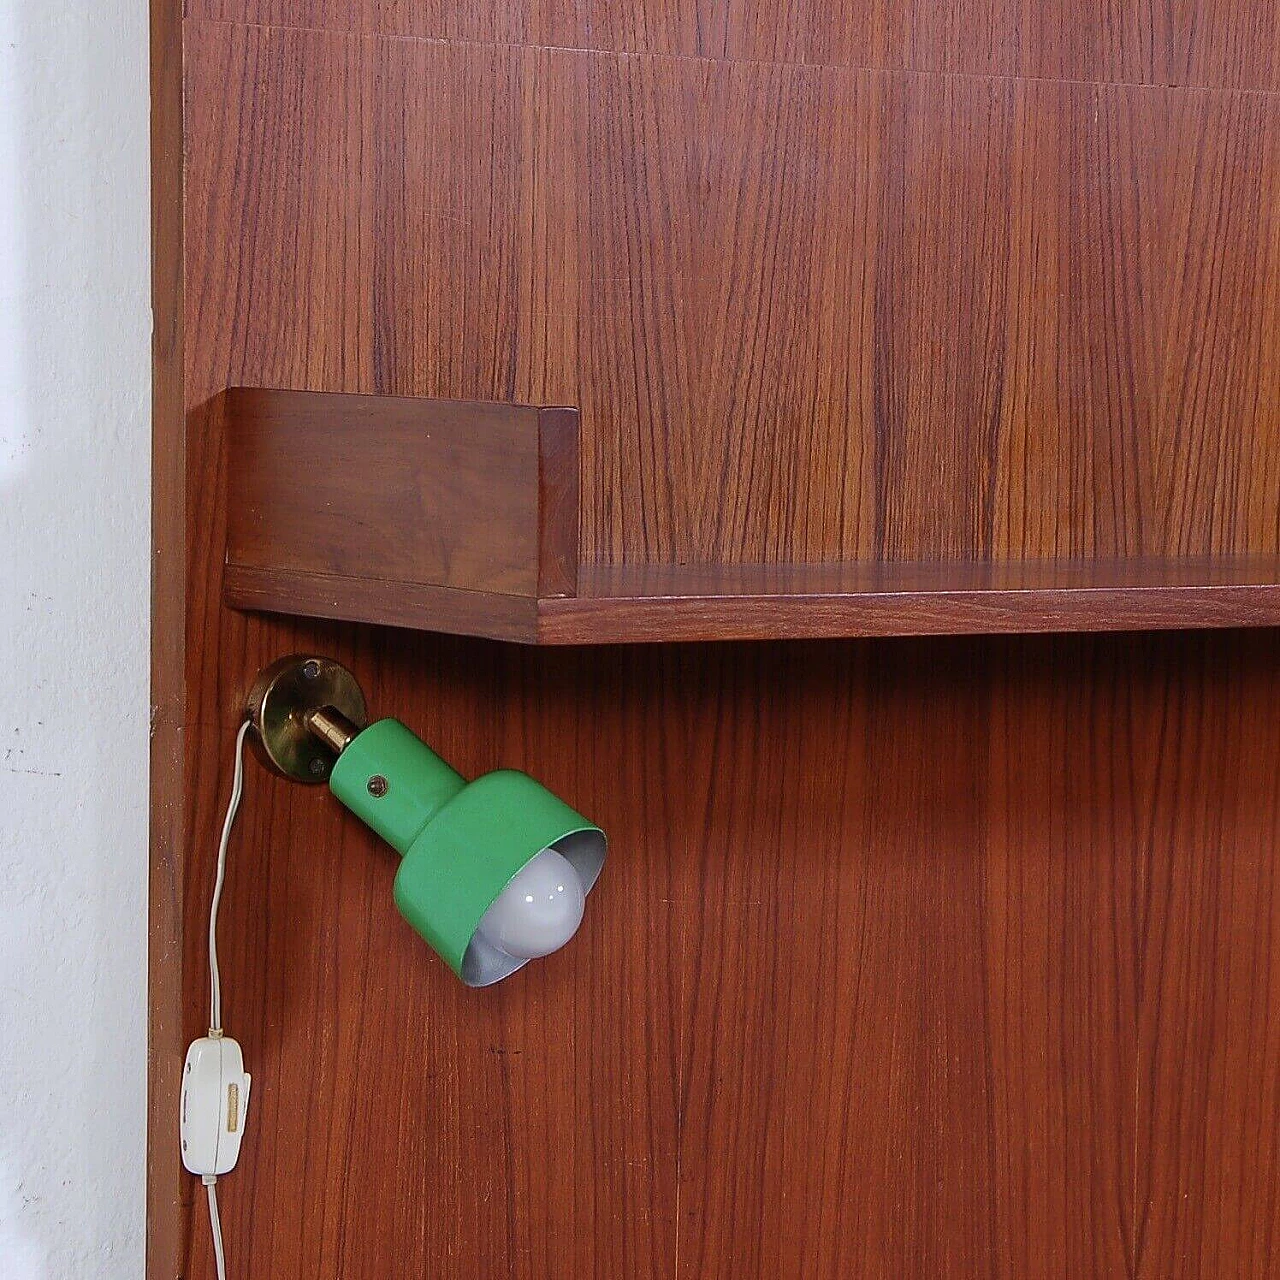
<point x="283" y="694"/>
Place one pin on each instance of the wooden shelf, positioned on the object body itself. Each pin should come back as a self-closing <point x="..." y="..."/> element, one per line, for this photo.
<point x="652" y="603"/>
<point x="462" y="518"/>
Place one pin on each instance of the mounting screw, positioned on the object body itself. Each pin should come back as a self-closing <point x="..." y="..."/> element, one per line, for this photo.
<point x="316" y="766"/>
<point x="377" y="786"/>
<point x="311" y="669"/>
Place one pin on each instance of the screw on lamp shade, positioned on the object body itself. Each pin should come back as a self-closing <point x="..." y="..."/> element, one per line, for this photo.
<point x="494" y="872"/>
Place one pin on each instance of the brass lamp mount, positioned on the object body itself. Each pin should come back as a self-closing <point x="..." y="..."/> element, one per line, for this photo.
<point x="305" y="710"/>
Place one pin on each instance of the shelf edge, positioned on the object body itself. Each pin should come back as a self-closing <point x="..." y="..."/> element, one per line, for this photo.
<point x="658" y="618"/>
<point x="619" y="620"/>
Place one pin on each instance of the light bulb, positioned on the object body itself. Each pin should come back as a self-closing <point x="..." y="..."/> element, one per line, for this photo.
<point x="539" y="911"/>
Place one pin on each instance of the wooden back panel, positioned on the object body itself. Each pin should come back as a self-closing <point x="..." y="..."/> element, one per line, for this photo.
<point x="922" y="959"/>
<point x="807" y="312"/>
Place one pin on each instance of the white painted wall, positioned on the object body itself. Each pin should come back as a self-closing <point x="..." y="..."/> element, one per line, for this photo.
<point x="74" y="533"/>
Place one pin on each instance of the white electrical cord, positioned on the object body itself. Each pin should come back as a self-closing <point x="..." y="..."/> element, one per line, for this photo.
<point x="215" y="1224"/>
<point x="215" y="978"/>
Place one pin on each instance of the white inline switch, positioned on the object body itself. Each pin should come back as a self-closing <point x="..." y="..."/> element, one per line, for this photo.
<point x="215" y="1101"/>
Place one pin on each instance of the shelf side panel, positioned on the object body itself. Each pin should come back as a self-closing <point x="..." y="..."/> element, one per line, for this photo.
<point x="398" y="496"/>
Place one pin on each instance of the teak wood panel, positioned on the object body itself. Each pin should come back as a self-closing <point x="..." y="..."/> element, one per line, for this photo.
<point x="806" y="313"/>
<point x="1213" y="43"/>
<point x="653" y="604"/>
<point x="476" y="498"/>
<point x="911" y="959"/>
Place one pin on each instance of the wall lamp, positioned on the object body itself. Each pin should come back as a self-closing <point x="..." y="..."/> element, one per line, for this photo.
<point x="494" y="872"/>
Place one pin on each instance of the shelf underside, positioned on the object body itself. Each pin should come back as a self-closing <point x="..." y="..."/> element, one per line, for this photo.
<point x="622" y="604"/>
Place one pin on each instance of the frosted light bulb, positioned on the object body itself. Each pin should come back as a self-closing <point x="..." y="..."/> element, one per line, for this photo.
<point x="539" y="911"/>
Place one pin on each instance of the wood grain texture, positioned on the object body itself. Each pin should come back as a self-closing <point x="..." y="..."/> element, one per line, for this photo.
<point x="912" y="959"/>
<point x="451" y="611"/>
<point x="1207" y="488"/>
<point x="462" y="517"/>
<point x="769" y="602"/>
<point x="559" y="476"/>
<point x="167" y="1192"/>
<point x="863" y="981"/>
<point x="1025" y="331"/>
<point x="1208" y="43"/>
<point x="651" y="604"/>
<point x="406" y="493"/>
<point x="988" y="961"/>
<point x="643" y="26"/>
<point x="1209" y="1092"/>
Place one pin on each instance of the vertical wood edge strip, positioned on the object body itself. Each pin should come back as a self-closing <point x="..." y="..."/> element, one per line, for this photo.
<point x="558" y="502"/>
<point x="165" y="1212"/>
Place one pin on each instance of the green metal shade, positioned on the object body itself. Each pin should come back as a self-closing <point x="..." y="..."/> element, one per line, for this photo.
<point x="461" y="842"/>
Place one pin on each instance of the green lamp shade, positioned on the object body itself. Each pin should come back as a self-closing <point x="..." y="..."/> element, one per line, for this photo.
<point x="462" y="842"/>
